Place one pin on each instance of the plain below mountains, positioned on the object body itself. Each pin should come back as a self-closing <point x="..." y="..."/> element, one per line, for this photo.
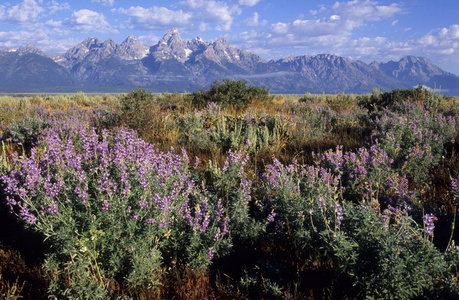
<point x="177" y="65"/>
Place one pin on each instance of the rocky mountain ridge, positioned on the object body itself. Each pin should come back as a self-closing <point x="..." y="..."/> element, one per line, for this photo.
<point x="174" y="64"/>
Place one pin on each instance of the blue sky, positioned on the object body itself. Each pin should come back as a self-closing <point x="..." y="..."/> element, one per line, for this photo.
<point x="361" y="29"/>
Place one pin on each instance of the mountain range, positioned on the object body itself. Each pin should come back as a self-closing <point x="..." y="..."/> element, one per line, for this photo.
<point x="177" y="65"/>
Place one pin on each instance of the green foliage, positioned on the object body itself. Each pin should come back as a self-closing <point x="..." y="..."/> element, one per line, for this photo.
<point x="25" y="132"/>
<point x="387" y="257"/>
<point x="234" y="189"/>
<point x="137" y="110"/>
<point x="344" y="210"/>
<point x="414" y="138"/>
<point x="378" y="101"/>
<point x="235" y="93"/>
<point x="114" y="210"/>
<point x="211" y="130"/>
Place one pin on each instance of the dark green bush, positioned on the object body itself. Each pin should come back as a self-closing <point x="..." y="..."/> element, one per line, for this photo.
<point x="230" y="92"/>
<point x="136" y="108"/>
<point x="378" y="101"/>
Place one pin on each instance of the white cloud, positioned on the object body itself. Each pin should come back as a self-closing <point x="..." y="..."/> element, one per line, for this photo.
<point x="442" y="43"/>
<point x="248" y="2"/>
<point x="155" y="17"/>
<point x="203" y="26"/>
<point x="317" y="27"/>
<point x="254" y="21"/>
<point x="335" y="18"/>
<point x="366" y="10"/>
<point x="394" y="22"/>
<point x="54" y="6"/>
<point x="148" y="40"/>
<point x="89" y="21"/>
<point x="105" y="2"/>
<point x="26" y="11"/>
<point x="53" y="23"/>
<point x="49" y="40"/>
<point x="211" y="11"/>
<point x="450" y="33"/>
<point x="336" y="22"/>
<point x="428" y="40"/>
<point x="280" y="28"/>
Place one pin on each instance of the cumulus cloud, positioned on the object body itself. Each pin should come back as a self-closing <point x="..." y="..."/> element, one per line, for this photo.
<point x="49" y="40"/>
<point x="248" y="2"/>
<point x="366" y="10"/>
<point x="450" y="33"/>
<point x="148" y="39"/>
<point x="14" y="39"/>
<point x="443" y="42"/>
<point x="54" y="6"/>
<point x="254" y="21"/>
<point x="26" y="11"/>
<point x="280" y="28"/>
<point x="317" y="27"/>
<point x="210" y="11"/>
<point x="105" y="2"/>
<point x="86" y="20"/>
<point x="53" y="23"/>
<point x="337" y="21"/>
<point x="155" y="17"/>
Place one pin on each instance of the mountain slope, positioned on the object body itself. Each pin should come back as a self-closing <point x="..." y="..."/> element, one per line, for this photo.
<point x="175" y="64"/>
<point x="412" y="71"/>
<point x="28" y="69"/>
<point x="333" y="74"/>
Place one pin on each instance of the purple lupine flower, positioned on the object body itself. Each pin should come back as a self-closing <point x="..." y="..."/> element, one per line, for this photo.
<point x="27" y="215"/>
<point x="245" y="188"/>
<point x="163" y="224"/>
<point x="271" y="217"/>
<point x="338" y="215"/>
<point x="322" y="203"/>
<point x="429" y="225"/>
<point x="52" y="209"/>
<point x="105" y="205"/>
<point x="143" y="204"/>
<point x="210" y="253"/>
<point x="10" y="201"/>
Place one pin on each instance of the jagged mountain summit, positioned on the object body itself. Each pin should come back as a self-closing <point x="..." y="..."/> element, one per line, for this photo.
<point x="412" y="70"/>
<point x="175" y="64"/>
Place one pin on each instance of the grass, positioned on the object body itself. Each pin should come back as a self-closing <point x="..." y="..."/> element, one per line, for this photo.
<point x="287" y="127"/>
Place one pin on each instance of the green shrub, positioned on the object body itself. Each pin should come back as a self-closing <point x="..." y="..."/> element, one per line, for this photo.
<point x="235" y="93"/>
<point x="115" y="212"/>
<point x="137" y="110"/>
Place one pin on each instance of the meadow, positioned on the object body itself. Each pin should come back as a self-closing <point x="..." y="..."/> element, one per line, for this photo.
<point x="229" y="193"/>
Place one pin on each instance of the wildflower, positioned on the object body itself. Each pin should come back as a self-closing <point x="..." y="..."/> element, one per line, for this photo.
<point x="429" y="225"/>
<point x="52" y="209"/>
<point x="338" y="215"/>
<point x="105" y="205"/>
<point x="271" y="216"/>
<point x="322" y="203"/>
<point x="27" y="215"/>
<point x="211" y="253"/>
